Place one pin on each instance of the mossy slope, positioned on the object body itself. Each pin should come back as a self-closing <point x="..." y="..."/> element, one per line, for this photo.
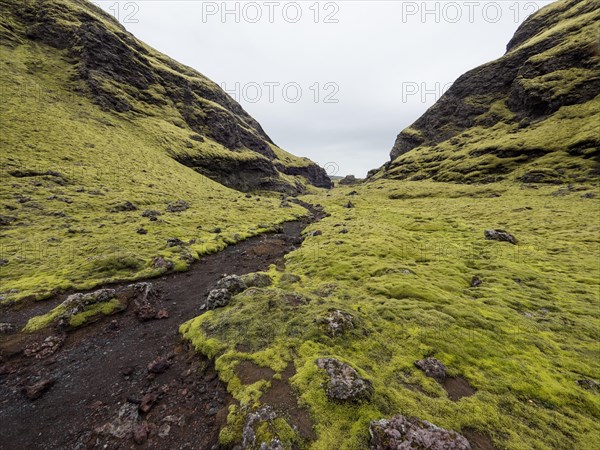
<point x="70" y="164"/>
<point x="400" y="262"/>
<point x="211" y="132"/>
<point x="533" y="114"/>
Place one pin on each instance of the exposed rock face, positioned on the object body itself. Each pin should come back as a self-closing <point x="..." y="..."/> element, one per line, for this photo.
<point x="403" y="433"/>
<point x="551" y="62"/>
<point x="433" y="368"/>
<point x="217" y="298"/>
<point x="500" y="235"/>
<point x="122" y="74"/>
<point x="337" y="322"/>
<point x="345" y="384"/>
<point x="233" y="283"/>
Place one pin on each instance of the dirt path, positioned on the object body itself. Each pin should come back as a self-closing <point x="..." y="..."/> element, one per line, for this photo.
<point x="101" y="376"/>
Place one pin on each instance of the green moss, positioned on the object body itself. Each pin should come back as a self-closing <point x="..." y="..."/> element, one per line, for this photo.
<point x="403" y="271"/>
<point x="105" y="308"/>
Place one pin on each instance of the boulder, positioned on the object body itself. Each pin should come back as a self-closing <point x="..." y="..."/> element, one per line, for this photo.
<point x="233" y="283"/>
<point x="405" y="433"/>
<point x="433" y="368"/>
<point x="35" y="391"/>
<point x="499" y="235"/>
<point x="344" y="382"/>
<point x="476" y="281"/>
<point x="217" y="298"/>
<point x="174" y="242"/>
<point x="337" y="322"/>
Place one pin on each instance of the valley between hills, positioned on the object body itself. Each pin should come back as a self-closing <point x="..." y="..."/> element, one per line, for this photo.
<point x="171" y="278"/>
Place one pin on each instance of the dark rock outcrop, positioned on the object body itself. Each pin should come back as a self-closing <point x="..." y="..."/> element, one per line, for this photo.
<point x="400" y="433"/>
<point x="345" y="384"/>
<point x="433" y="368"/>
<point x="500" y="235"/>
<point x="552" y="61"/>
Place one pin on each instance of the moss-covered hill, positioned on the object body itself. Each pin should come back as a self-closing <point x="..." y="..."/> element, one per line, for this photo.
<point x="104" y="141"/>
<point x="533" y="114"/>
<point x="199" y="124"/>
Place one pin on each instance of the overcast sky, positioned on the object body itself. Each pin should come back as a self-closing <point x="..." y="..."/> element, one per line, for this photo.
<point x="334" y="81"/>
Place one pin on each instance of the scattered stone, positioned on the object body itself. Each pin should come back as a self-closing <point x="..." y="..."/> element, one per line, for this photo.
<point x="7" y="328"/>
<point x="259" y="280"/>
<point x="433" y="368"/>
<point x="338" y="322"/>
<point x="141" y="230"/>
<point x="404" y="433"/>
<point x="476" y="281"/>
<point x="217" y="298"/>
<point x="233" y="283"/>
<point x="122" y="207"/>
<point x="344" y="231"/>
<point x="162" y="314"/>
<point x="140" y="433"/>
<point x="588" y="384"/>
<point x="178" y="206"/>
<point x="164" y="430"/>
<point x="127" y="371"/>
<point x="161" y="263"/>
<point x="159" y="365"/>
<point x="46" y="348"/>
<point x="349" y="205"/>
<point x="151" y="214"/>
<point x="316" y="233"/>
<point x="123" y="424"/>
<point x="216" y="230"/>
<point x="174" y="242"/>
<point x="3" y="262"/>
<point x="588" y="195"/>
<point x="147" y="402"/>
<point x="345" y="383"/>
<point x="35" y="391"/>
<point x="500" y="235"/>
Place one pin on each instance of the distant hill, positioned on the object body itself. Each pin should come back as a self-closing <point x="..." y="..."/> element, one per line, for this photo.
<point x="531" y="115"/>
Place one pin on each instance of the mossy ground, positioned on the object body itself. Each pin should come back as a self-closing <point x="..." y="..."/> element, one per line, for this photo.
<point x="65" y="164"/>
<point x="403" y="270"/>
